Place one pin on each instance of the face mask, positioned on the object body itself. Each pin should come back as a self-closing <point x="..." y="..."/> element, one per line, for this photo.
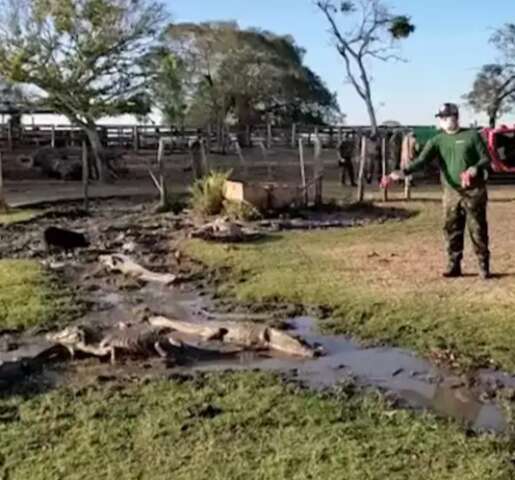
<point x="449" y="124"/>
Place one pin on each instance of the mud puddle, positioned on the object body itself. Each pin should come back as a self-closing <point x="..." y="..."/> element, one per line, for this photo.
<point x="416" y="383"/>
<point x="413" y="381"/>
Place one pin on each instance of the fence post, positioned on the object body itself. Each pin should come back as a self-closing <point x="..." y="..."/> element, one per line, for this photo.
<point x="407" y="188"/>
<point x="9" y="136"/>
<point x="243" y="163"/>
<point x="384" y="166"/>
<point x="3" y="203"/>
<point x="135" y="138"/>
<point x="163" y="202"/>
<point x="52" y="140"/>
<point x="318" y="171"/>
<point x="204" y="158"/>
<point x="303" y="172"/>
<point x="293" y="140"/>
<point x="268" y="134"/>
<point x="85" y="175"/>
<point x="361" y="184"/>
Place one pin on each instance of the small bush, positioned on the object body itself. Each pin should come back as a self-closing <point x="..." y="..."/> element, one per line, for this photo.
<point x="207" y="194"/>
<point x="241" y="211"/>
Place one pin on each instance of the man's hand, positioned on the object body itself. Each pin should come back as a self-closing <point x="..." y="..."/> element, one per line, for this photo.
<point x="467" y="177"/>
<point x="395" y="176"/>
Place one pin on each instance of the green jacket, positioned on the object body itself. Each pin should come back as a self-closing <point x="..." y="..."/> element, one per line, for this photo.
<point x="455" y="153"/>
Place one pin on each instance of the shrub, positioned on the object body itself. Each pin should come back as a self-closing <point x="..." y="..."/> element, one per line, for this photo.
<point x="207" y="194"/>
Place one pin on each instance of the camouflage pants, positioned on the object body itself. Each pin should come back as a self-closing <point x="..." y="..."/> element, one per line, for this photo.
<point x="466" y="209"/>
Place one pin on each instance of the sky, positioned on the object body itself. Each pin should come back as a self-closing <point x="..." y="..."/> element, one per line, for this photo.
<point x="442" y="57"/>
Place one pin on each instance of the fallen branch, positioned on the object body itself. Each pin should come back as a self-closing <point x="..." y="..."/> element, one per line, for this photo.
<point x="122" y="263"/>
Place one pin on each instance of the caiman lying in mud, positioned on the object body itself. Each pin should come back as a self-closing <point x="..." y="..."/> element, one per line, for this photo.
<point x="164" y="337"/>
<point x="245" y="334"/>
<point x="138" y="340"/>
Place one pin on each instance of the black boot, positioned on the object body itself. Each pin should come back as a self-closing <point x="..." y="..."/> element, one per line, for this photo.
<point x="453" y="270"/>
<point x="484" y="269"/>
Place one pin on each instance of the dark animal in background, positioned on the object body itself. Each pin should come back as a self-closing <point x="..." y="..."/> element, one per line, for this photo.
<point x="62" y="239"/>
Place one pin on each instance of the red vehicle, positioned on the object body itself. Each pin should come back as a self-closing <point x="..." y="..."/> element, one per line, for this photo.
<point x="501" y="145"/>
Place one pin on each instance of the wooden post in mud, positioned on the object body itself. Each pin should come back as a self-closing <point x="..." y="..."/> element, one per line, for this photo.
<point x="383" y="166"/>
<point x="163" y="193"/>
<point x="293" y="140"/>
<point x="361" y="174"/>
<point x="85" y="175"/>
<point x="303" y="172"/>
<point x="318" y="171"/>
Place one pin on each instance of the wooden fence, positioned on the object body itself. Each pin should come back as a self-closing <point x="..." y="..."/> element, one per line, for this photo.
<point x="144" y="137"/>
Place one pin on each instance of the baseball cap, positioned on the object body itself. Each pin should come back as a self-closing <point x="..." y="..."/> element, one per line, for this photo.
<point x="448" y="110"/>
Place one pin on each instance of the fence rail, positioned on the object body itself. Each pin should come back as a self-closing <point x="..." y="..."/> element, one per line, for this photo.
<point x="145" y="137"/>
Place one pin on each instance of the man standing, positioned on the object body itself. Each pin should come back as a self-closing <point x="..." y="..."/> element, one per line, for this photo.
<point x="463" y="159"/>
<point x="345" y="154"/>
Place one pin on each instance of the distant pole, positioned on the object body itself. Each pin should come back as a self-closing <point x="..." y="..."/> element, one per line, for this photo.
<point x="361" y="174"/>
<point x="303" y="171"/>
<point x="52" y="140"/>
<point x="318" y="171"/>
<point x="384" y="166"/>
<point x="268" y="134"/>
<point x="85" y="175"/>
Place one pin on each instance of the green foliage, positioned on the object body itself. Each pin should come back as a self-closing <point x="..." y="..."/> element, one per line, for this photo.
<point x="247" y="74"/>
<point x="90" y="58"/>
<point x="29" y="297"/>
<point x="401" y="27"/>
<point x="207" y="194"/>
<point x="493" y="91"/>
<point x="242" y="211"/>
<point x="261" y="429"/>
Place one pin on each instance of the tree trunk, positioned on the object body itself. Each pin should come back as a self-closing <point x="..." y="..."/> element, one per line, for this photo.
<point x="372" y="116"/>
<point x="96" y="148"/>
<point x="492" y="120"/>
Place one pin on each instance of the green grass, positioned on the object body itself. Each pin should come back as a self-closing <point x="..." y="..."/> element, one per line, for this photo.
<point x="16" y="216"/>
<point x="29" y="296"/>
<point x="157" y="431"/>
<point x="383" y="282"/>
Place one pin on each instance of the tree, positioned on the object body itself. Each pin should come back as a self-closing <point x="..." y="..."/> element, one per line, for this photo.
<point x="493" y="91"/>
<point x="89" y="58"/>
<point x="364" y="30"/>
<point x="247" y="75"/>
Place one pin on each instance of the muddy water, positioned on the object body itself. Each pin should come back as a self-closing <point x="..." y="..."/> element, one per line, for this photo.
<point x="416" y="382"/>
